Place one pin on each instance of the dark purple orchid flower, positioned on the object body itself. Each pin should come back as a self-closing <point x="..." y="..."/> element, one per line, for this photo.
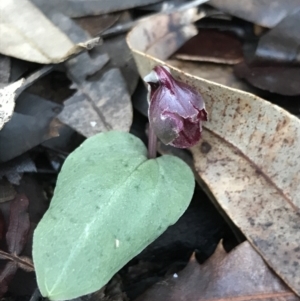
<point x="175" y="109"/>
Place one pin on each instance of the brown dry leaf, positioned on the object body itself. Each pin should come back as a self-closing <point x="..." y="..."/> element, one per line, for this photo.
<point x="248" y="159"/>
<point x="99" y="106"/>
<point x="7" y="100"/>
<point x="33" y="41"/>
<point x="212" y="45"/>
<point x="94" y="25"/>
<point x="239" y="275"/>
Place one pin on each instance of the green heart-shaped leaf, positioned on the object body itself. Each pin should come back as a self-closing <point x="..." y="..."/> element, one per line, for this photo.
<point x="110" y="202"/>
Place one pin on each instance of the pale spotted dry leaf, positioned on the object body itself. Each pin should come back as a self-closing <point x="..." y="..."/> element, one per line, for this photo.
<point x="248" y="159"/>
<point x="7" y="101"/>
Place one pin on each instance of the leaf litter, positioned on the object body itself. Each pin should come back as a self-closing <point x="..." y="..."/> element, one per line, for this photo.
<point x="101" y="75"/>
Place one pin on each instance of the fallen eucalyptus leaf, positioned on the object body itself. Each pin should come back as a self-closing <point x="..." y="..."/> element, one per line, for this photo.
<point x="13" y="170"/>
<point x="6" y="275"/>
<point x="109" y="203"/>
<point x="26" y="128"/>
<point x="261" y="12"/>
<point x="81" y="65"/>
<point x="216" y="46"/>
<point x="19" y="224"/>
<point x="239" y="275"/>
<point x="99" y="106"/>
<point x="16" y="238"/>
<point x="34" y="41"/>
<point x="173" y="40"/>
<point x="120" y="57"/>
<point x="77" y="9"/>
<point x="7" y="101"/>
<point x="281" y="79"/>
<point x="248" y="158"/>
<point x="282" y="43"/>
<point x="95" y="25"/>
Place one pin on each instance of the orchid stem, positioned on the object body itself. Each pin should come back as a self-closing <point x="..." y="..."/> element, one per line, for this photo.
<point x="152" y="143"/>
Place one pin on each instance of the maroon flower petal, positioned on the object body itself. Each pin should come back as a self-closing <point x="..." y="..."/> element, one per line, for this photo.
<point x="176" y="110"/>
<point x="189" y="136"/>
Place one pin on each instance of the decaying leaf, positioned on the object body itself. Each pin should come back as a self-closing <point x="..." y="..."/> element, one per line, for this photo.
<point x="6" y="275"/>
<point x="120" y="57"/>
<point x="13" y="170"/>
<point x="33" y="41"/>
<point x="7" y="101"/>
<point x="76" y="9"/>
<point x="281" y="44"/>
<point x="26" y="128"/>
<point x="181" y="31"/>
<point x="281" y="79"/>
<point x="239" y="275"/>
<point x="97" y="24"/>
<point x="19" y="225"/>
<point x="248" y="159"/>
<point x="211" y="45"/>
<point x="16" y="238"/>
<point x="99" y="106"/>
<point x="262" y="12"/>
<point x="173" y="40"/>
<point x="82" y="65"/>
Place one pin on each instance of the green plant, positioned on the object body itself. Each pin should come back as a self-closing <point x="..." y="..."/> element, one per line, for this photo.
<point x="109" y="203"/>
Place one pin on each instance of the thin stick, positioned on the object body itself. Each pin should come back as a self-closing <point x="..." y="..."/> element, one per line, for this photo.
<point x="152" y="143"/>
